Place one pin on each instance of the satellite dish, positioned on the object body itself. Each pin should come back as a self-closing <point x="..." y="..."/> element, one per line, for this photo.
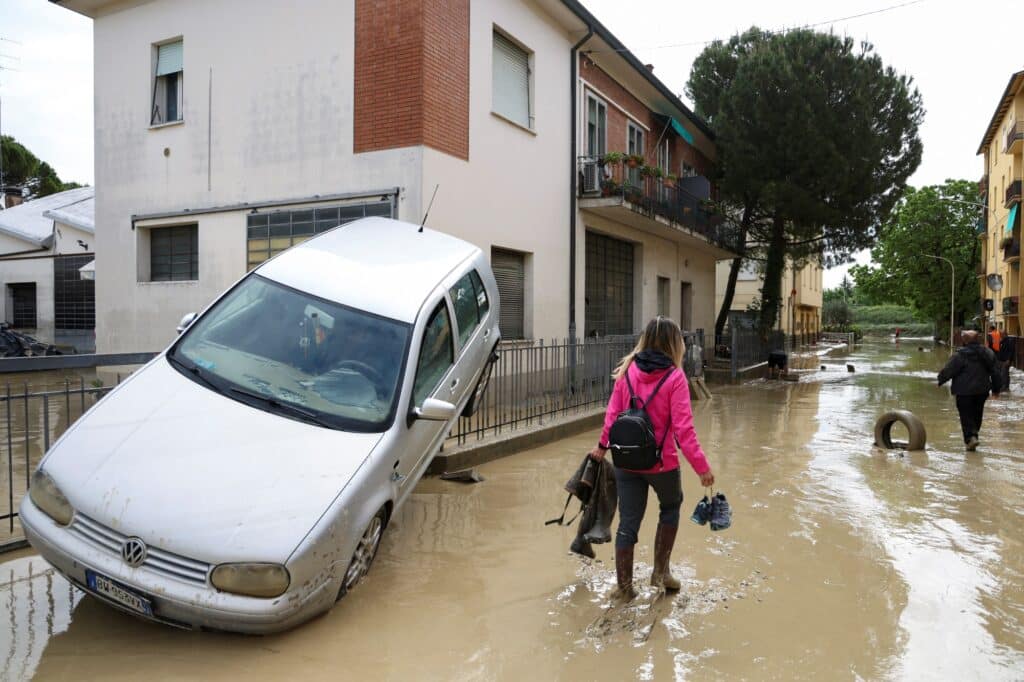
<point x="995" y="282"/>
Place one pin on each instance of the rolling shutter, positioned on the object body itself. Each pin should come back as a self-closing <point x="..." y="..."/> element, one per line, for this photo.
<point x="511" y="96"/>
<point x="168" y="59"/>
<point x="510" y="273"/>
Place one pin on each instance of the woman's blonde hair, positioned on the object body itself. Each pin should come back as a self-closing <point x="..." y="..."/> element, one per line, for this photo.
<point x="662" y="334"/>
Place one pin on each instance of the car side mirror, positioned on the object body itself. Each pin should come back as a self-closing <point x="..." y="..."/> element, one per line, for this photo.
<point x="186" y="321"/>
<point x="434" y="410"/>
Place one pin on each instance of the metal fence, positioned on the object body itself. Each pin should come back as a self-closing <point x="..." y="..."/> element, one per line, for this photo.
<point x="849" y="338"/>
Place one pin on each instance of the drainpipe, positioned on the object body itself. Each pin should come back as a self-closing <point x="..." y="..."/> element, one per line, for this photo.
<point x="573" y="172"/>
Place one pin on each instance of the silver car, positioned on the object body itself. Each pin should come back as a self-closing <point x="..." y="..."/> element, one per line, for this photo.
<point x="242" y="479"/>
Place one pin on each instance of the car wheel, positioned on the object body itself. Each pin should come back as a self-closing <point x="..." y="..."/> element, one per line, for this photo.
<point x="477" y="399"/>
<point x="362" y="558"/>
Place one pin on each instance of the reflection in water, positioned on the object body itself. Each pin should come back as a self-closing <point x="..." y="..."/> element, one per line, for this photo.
<point x="844" y="562"/>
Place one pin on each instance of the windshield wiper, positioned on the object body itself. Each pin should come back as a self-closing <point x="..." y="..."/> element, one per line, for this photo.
<point x="196" y="372"/>
<point x="293" y="410"/>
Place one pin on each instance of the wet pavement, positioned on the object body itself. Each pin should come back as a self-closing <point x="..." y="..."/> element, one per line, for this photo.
<point x="844" y="562"/>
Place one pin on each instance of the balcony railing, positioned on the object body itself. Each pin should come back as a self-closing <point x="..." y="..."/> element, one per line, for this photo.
<point x="1012" y="250"/>
<point x="983" y="185"/>
<point x="981" y="269"/>
<point x="1011" y="305"/>
<point x="1012" y="194"/>
<point x="981" y="227"/>
<point x="1014" y="137"/>
<point x="652" y="196"/>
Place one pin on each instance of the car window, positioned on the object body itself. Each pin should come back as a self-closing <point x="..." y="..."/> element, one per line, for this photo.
<point x="436" y="354"/>
<point x="482" y="304"/>
<point x="466" y="313"/>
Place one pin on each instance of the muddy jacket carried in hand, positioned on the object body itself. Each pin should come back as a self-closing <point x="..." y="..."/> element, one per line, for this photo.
<point x="974" y="371"/>
<point x="594" y="484"/>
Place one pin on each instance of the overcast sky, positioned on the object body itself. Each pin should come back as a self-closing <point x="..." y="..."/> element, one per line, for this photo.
<point x="954" y="50"/>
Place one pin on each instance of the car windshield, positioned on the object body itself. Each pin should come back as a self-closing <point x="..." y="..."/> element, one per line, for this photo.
<point x="301" y="356"/>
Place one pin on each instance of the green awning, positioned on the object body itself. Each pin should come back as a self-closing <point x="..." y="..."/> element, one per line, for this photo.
<point x="683" y="132"/>
<point x="1012" y="220"/>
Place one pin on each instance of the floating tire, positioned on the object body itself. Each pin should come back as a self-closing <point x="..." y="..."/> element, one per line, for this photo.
<point x="915" y="429"/>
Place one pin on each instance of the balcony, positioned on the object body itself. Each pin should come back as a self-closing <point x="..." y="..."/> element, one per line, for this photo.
<point x="1015" y="138"/>
<point x="981" y="268"/>
<point x="1012" y="194"/>
<point x="1011" y="305"/>
<point x="981" y="227"/>
<point x="983" y="185"/>
<point x="617" y="192"/>
<point x="1011" y="248"/>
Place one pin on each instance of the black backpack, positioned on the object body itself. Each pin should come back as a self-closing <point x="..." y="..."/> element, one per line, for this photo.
<point x="631" y="437"/>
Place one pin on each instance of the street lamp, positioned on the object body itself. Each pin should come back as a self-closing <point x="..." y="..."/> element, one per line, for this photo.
<point x="952" y="292"/>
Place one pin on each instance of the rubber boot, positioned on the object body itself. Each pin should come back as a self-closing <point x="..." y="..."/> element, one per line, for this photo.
<point x="664" y="538"/>
<point x="624" y="591"/>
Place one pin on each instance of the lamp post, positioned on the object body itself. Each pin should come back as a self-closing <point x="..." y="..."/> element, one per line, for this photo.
<point x="952" y="293"/>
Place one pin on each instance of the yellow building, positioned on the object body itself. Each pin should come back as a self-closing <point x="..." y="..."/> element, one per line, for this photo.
<point x="801" y="291"/>
<point x="1000" y="189"/>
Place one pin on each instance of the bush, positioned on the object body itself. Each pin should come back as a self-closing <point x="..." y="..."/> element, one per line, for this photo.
<point x="895" y="315"/>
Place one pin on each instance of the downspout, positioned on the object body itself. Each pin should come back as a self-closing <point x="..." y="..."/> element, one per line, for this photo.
<point x="573" y="171"/>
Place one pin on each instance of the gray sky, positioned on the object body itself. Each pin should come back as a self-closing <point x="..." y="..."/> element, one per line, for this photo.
<point x="955" y="51"/>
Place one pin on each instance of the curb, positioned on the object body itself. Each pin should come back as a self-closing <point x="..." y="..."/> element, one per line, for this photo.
<point x="473" y="454"/>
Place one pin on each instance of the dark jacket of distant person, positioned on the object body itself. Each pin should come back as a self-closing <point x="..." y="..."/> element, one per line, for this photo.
<point x="974" y="371"/>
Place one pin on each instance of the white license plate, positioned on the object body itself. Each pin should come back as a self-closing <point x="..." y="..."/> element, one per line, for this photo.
<point x="122" y="595"/>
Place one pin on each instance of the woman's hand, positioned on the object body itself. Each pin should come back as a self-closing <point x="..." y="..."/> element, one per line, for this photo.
<point x="597" y="453"/>
<point x="707" y="479"/>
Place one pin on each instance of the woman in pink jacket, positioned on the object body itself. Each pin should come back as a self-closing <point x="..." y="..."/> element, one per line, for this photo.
<point x="660" y="350"/>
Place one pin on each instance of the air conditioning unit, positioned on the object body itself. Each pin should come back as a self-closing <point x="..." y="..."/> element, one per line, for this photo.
<point x="592" y="176"/>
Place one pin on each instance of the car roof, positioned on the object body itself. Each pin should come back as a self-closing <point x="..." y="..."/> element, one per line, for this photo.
<point x="383" y="266"/>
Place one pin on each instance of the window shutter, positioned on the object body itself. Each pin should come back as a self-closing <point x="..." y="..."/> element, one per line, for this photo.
<point x="510" y="273"/>
<point x="511" y="81"/>
<point x="168" y="58"/>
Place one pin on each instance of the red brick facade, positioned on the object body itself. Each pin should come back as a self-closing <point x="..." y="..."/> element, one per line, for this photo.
<point x="609" y="88"/>
<point x="412" y="75"/>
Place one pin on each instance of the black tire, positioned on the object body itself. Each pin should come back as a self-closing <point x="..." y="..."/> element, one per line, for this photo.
<point x="480" y="390"/>
<point x="362" y="558"/>
<point x="915" y="428"/>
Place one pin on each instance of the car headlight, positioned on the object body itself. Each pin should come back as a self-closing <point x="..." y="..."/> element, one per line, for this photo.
<point x="253" y="580"/>
<point x="47" y="496"/>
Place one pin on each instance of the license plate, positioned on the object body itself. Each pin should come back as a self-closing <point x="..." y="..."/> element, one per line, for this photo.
<point x="122" y="595"/>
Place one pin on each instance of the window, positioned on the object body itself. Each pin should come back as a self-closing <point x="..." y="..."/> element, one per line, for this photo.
<point x="687" y="171"/>
<point x="511" y="81"/>
<point x="436" y="355"/>
<point x="74" y="298"/>
<point x="467" y="313"/>
<point x="510" y="272"/>
<point x="167" y="84"/>
<point x="482" y="304"/>
<point x="634" y="145"/>
<point x="174" y="253"/>
<point x="609" y="286"/>
<point x="663" y="296"/>
<point x="268" y="234"/>
<point x="22" y="300"/>
<point x="597" y="127"/>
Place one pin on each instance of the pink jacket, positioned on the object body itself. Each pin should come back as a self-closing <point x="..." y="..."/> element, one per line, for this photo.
<point x="671" y="406"/>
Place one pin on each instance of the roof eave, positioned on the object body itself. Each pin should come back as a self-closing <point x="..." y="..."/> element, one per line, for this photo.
<point x="1012" y="87"/>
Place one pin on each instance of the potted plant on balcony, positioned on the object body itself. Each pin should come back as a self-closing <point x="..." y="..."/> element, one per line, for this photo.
<point x="609" y="187"/>
<point x="669" y="180"/>
<point x="613" y="158"/>
<point x="634" y="160"/>
<point x="650" y="172"/>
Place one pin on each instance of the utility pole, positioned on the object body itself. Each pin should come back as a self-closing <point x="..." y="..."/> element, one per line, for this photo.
<point x="952" y="294"/>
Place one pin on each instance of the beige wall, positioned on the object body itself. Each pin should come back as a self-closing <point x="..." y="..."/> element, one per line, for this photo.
<point x="800" y="314"/>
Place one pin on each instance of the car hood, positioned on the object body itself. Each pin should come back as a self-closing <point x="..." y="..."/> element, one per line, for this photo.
<point x="194" y="472"/>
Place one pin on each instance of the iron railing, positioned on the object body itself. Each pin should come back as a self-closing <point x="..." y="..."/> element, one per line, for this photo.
<point x="653" y="196"/>
<point x="1011" y="250"/>
<point x="1016" y="132"/>
<point x="1012" y="193"/>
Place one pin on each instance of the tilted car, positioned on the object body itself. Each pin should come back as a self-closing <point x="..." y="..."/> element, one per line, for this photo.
<point x="241" y="480"/>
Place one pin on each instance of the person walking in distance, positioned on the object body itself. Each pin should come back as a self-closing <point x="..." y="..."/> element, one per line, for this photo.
<point x="651" y="377"/>
<point x="999" y="343"/>
<point x="974" y="372"/>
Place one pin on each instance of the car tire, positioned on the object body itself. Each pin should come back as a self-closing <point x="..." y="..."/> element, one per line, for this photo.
<point x="476" y="400"/>
<point x="917" y="436"/>
<point x="364" y="554"/>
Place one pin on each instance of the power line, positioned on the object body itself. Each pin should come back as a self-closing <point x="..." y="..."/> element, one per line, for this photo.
<point x="781" y="30"/>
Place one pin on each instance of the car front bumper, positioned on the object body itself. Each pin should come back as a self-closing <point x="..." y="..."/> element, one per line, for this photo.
<point x="176" y="603"/>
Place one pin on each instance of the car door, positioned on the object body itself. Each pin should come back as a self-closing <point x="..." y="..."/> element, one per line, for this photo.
<point x="473" y="337"/>
<point x="435" y="377"/>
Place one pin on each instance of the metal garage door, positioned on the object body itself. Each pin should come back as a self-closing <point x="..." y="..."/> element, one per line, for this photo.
<point x="510" y="272"/>
<point x="609" y="286"/>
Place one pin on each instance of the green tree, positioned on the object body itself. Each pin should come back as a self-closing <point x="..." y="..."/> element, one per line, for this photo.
<point x="22" y="169"/>
<point x="815" y="140"/>
<point x="937" y="220"/>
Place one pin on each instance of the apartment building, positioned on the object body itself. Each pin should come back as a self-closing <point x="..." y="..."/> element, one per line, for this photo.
<point x="998" y="231"/>
<point x="227" y="132"/>
<point x="800" y="316"/>
<point x="44" y="246"/>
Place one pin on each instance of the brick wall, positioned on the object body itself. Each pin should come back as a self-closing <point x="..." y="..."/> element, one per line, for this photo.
<point x="412" y="75"/>
<point x="611" y="88"/>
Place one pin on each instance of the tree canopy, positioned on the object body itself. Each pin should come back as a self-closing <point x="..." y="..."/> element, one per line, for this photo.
<point x="816" y="138"/>
<point x="22" y="169"/>
<point x="937" y="220"/>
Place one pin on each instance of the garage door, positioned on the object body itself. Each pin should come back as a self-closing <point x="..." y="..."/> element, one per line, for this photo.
<point x="609" y="286"/>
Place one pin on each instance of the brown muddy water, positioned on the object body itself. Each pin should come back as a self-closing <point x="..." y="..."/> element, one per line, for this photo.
<point x="844" y="562"/>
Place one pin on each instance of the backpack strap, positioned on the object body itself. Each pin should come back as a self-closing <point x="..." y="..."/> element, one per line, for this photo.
<point x="561" y="519"/>
<point x="633" y="400"/>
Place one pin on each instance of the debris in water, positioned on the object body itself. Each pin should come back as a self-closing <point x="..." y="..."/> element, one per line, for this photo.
<point x="849" y="368"/>
<point x="464" y="476"/>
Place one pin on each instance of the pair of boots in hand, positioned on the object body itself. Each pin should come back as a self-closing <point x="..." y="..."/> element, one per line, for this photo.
<point x="714" y="511"/>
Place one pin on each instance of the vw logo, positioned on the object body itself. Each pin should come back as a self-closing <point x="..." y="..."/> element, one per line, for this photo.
<point x="133" y="551"/>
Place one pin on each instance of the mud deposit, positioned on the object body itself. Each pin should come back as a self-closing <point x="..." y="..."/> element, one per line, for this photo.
<point x="844" y="562"/>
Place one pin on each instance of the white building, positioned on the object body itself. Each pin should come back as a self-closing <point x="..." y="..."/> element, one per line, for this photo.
<point x="43" y="245"/>
<point x="227" y="131"/>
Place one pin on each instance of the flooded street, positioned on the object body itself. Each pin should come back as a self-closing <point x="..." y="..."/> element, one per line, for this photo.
<point x="843" y="562"/>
